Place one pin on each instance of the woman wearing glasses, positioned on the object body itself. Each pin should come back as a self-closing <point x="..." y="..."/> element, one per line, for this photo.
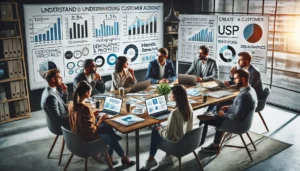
<point x="123" y="75"/>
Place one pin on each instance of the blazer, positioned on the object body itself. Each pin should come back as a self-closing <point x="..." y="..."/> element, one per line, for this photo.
<point x="153" y="71"/>
<point x="122" y="81"/>
<point x="209" y="73"/>
<point x="83" y="123"/>
<point x="254" y="80"/>
<point x="54" y="105"/>
<point x="242" y="105"/>
<point x="97" y="86"/>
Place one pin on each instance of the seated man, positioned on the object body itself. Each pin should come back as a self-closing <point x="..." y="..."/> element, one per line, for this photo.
<point x="242" y="105"/>
<point x="205" y="68"/>
<point x="255" y="78"/>
<point x="161" y="70"/>
<point x="53" y="103"/>
<point x="90" y="75"/>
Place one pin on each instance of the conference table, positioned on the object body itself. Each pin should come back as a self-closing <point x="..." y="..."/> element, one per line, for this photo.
<point x="149" y="121"/>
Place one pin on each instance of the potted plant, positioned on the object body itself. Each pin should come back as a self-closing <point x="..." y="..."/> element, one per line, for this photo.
<point x="164" y="89"/>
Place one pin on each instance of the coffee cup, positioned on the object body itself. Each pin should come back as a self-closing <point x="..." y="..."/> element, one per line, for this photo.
<point x="128" y="109"/>
<point x="204" y="98"/>
<point x="121" y="91"/>
<point x="98" y="104"/>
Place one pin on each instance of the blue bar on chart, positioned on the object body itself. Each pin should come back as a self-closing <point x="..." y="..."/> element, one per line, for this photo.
<point x="107" y="29"/>
<point x="52" y="32"/>
<point x="140" y="26"/>
<point x="202" y="36"/>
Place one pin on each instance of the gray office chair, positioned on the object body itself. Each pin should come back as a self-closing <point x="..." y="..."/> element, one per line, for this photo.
<point x="189" y="143"/>
<point x="55" y="129"/>
<point x="262" y="103"/>
<point x="108" y="85"/>
<point x="233" y="127"/>
<point x="84" y="149"/>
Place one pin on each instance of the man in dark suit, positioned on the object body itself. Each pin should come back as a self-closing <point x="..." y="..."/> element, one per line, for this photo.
<point x="90" y="75"/>
<point x="205" y="68"/>
<point x="161" y="70"/>
<point x="255" y="78"/>
<point x="242" y="105"/>
<point x="54" y="103"/>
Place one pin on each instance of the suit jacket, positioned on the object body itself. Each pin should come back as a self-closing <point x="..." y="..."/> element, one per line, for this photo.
<point x="153" y="71"/>
<point x="54" y="105"/>
<point x="209" y="73"/>
<point x="243" y="104"/>
<point x="97" y="86"/>
<point x="254" y="80"/>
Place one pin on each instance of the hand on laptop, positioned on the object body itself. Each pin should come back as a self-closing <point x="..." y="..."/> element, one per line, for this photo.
<point x="199" y="79"/>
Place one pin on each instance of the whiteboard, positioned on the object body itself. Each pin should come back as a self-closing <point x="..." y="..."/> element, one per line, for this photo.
<point x="64" y="35"/>
<point x="225" y="36"/>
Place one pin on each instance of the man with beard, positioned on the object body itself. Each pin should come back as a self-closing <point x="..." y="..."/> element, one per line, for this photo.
<point x="205" y="68"/>
<point x="90" y="75"/>
<point x="242" y="104"/>
<point x="54" y="103"/>
<point x="254" y="79"/>
<point x="161" y="70"/>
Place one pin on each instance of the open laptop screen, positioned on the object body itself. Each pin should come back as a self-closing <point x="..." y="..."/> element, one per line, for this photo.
<point x="112" y="104"/>
<point x="156" y="104"/>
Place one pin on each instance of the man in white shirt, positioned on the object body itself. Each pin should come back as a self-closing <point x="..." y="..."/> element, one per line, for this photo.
<point x="161" y="70"/>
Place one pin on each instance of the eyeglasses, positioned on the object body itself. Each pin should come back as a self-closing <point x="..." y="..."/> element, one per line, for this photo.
<point x="159" y="56"/>
<point x="92" y="66"/>
<point x="201" y="53"/>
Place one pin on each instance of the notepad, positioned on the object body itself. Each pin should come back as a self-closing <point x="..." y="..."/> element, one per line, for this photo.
<point x="128" y="120"/>
<point x="219" y="94"/>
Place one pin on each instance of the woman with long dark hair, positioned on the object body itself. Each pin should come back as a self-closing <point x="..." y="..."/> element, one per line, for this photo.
<point x="123" y="75"/>
<point x="83" y="123"/>
<point x="180" y="121"/>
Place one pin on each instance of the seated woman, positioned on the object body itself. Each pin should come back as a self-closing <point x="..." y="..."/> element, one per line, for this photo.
<point x="123" y="76"/>
<point x="180" y="121"/>
<point x="83" y="123"/>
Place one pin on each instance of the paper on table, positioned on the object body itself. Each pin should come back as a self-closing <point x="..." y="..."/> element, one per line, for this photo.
<point x="193" y="92"/>
<point x="141" y="93"/>
<point x="138" y="110"/>
<point x="133" y="100"/>
<point x="219" y="94"/>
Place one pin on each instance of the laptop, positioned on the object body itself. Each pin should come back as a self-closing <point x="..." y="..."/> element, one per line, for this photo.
<point x="187" y="79"/>
<point x="139" y="86"/>
<point x="112" y="106"/>
<point x="157" y="107"/>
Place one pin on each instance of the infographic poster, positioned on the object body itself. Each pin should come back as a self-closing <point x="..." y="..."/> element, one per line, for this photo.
<point x="242" y="34"/>
<point x="64" y="35"/>
<point x="194" y="31"/>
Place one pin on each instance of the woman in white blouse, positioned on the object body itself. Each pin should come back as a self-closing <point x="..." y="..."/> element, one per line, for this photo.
<point x="123" y="76"/>
<point x="180" y="121"/>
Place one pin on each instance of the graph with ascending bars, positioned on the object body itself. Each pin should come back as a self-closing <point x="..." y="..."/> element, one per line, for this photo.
<point x="46" y="28"/>
<point x="203" y="35"/>
<point x="146" y="26"/>
<point x="104" y="25"/>
<point x="107" y="29"/>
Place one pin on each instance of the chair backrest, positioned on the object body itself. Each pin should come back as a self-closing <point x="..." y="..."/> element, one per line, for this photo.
<point x="189" y="142"/>
<point x="80" y="148"/>
<point x="263" y="100"/>
<point x="238" y="127"/>
<point x="108" y="85"/>
<point x="52" y="126"/>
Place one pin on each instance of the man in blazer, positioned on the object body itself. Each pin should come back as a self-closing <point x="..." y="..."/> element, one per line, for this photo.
<point x="255" y="78"/>
<point x="90" y="75"/>
<point x="242" y="105"/>
<point x="161" y="70"/>
<point x="205" y="68"/>
<point x="54" y="103"/>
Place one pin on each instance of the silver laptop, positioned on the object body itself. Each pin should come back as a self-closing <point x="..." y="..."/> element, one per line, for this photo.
<point x="221" y="84"/>
<point x="157" y="107"/>
<point x="112" y="106"/>
<point x="187" y="79"/>
<point x="139" y="86"/>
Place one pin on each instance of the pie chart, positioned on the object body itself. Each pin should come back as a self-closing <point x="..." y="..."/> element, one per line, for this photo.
<point x="253" y="33"/>
<point x="45" y="67"/>
<point x="227" y="53"/>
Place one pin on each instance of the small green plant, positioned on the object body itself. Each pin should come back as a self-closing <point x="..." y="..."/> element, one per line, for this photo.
<point x="163" y="89"/>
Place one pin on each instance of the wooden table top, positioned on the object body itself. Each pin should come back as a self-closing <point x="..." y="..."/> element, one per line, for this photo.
<point x="149" y="121"/>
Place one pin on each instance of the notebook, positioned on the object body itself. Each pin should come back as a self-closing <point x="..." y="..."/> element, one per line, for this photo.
<point x="112" y="106"/>
<point x="128" y="120"/>
<point x="157" y="107"/>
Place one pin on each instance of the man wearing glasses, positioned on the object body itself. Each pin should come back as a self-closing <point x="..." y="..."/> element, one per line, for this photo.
<point x="90" y="75"/>
<point x="161" y="70"/>
<point x="205" y="68"/>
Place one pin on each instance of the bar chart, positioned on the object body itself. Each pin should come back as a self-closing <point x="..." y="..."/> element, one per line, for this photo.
<point x="46" y="29"/>
<point x="105" y="25"/>
<point x="142" y="26"/>
<point x="77" y="27"/>
<point x="204" y="35"/>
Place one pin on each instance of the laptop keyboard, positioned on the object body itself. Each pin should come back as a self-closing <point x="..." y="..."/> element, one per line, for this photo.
<point x="161" y="113"/>
<point x="109" y="112"/>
